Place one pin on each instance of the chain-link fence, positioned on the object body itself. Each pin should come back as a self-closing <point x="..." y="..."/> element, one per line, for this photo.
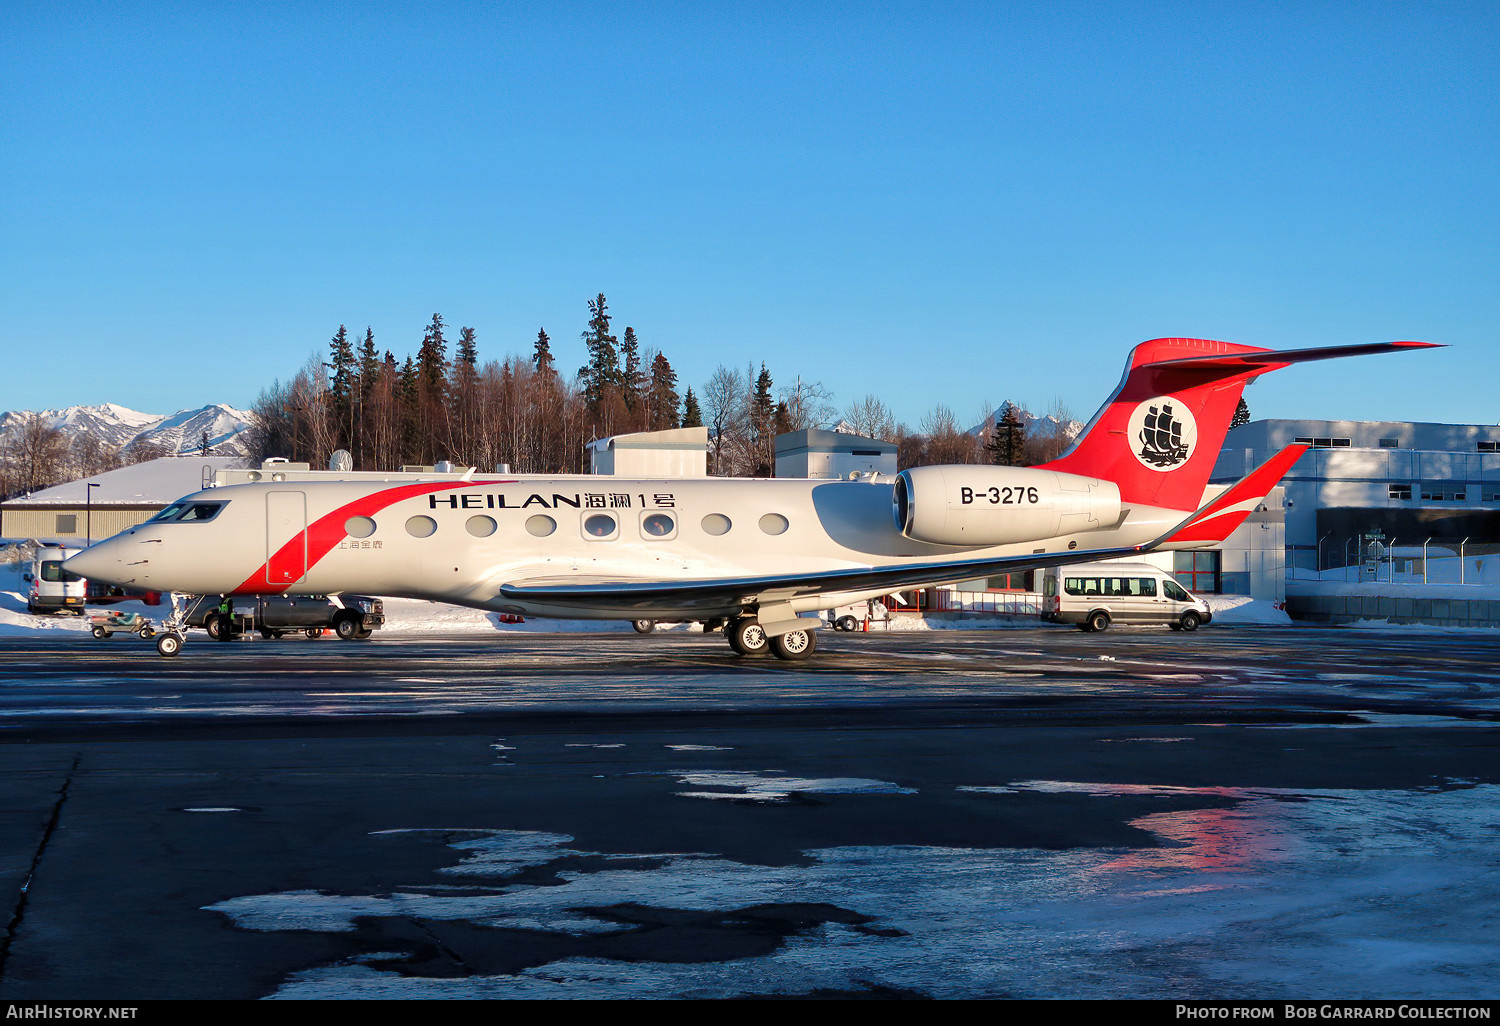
<point x="1373" y="557"/>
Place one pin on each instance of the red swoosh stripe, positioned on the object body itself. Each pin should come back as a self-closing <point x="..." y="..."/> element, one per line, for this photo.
<point x="1218" y="520"/>
<point x="323" y="534"/>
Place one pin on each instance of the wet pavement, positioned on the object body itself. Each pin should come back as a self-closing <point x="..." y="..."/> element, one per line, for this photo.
<point x="1256" y="813"/>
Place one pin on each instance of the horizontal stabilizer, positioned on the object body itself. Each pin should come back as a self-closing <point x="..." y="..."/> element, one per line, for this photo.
<point x="1269" y="359"/>
<point x="1218" y="520"/>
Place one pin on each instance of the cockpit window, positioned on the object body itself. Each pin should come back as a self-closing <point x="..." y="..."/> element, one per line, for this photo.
<point x="198" y="512"/>
<point x="188" y="512"/>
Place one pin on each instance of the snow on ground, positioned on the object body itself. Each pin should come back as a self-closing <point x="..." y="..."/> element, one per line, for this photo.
<point x="418" y="616"/>
<point x="1286" y="894"/>
<point x="1242" y="609"/>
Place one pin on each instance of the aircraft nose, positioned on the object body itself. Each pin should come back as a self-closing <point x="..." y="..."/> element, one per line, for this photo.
<point x="99" y="562"/>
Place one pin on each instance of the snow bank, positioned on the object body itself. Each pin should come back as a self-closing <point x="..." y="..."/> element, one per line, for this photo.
<point x="1242" y="609"/>
<point x="14" y="619"/>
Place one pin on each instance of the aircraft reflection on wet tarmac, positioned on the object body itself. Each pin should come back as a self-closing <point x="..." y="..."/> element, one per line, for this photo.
<point x="1237" y="814"/>
<point x="462" y="674"/>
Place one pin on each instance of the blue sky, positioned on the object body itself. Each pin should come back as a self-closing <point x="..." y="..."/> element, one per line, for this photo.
<point x="930" y="202"/>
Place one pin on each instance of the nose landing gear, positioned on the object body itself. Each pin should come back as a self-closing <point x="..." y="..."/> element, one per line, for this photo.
<point x="173" y="634"/>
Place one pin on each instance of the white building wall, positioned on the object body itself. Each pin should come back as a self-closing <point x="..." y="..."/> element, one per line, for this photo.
<point x="679" y="452"/>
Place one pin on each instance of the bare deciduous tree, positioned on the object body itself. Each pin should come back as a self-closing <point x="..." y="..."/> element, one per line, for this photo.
<point x="35" y="455"/>
<point x="726" y="413"/>
<point x="870" y="417"/>
<point x="808" y="405"/>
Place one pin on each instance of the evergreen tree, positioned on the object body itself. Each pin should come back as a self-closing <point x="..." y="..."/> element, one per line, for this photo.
<point x="464" y="413"/>
<point x="468" y="351"/>
<point x="601" y="375"/>
<point x="632" y="380"/>
<point x="763" y="424"/>
<point x="1241" y="414"/>
<point x="692" y="416"/>
<point x="466" y="365"/>
<point x="542" y="356"/>
<point x="783" y="419"/>
<point x="1007" y="446"/>
<point x="341" y="368"/>
<point x="409" y="399"/>
<point x="369" y="362"/>
<point x="432" y="360"/>
<point x="662" y="395"/>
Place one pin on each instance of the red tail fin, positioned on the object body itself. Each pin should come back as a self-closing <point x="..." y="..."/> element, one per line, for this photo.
<point x="1159" y="435"/>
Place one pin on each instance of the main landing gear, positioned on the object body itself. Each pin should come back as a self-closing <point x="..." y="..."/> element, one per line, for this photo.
<point x="748" y="638"/>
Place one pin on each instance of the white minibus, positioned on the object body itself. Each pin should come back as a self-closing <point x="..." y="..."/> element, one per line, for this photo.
<point x="1095" y="595"/>
<point x="54" y="589"/>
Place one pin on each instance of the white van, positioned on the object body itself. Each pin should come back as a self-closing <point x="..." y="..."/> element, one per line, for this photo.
<point x="54" y="589"/>
<point x="1095" y="595"/>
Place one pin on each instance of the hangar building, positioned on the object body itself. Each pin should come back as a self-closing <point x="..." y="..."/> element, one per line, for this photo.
<point x="1391" y="482"/>
<point x="106" y="504"/>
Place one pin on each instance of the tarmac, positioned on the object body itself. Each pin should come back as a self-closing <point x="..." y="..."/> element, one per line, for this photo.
<point x="1271" y="813"/>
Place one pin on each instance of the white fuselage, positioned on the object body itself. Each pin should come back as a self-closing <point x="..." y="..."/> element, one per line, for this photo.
<point x="460" y="540"/>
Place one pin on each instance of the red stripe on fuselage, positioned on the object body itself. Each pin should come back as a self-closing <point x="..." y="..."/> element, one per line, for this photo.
<point x="327" y="531"/>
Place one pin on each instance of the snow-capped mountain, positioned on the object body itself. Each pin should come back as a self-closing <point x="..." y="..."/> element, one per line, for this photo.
<point x="1033" y="424"/>
<point x="117" y="426"/>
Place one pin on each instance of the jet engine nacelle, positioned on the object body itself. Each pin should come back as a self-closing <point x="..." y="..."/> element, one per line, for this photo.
<point x="973" y="505"/>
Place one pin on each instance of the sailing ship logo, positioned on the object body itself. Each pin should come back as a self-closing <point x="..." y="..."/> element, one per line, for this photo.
<point x="1163" y="433"/>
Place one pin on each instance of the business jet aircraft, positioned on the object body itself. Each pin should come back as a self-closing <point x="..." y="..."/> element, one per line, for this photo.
<point x="756" y="553"/>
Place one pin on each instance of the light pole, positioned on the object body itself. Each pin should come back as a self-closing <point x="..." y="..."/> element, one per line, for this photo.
<point x="89" y="514"/>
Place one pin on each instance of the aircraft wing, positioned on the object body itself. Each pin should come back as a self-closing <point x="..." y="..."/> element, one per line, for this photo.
<point x="716" y="592"/>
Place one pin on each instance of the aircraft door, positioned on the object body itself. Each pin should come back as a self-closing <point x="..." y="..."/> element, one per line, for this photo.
<point x="286" y="537"/>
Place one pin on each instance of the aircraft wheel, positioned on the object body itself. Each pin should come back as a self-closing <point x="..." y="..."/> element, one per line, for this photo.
<point x="1098" y="621"/>
<point x="1190" y="621"/>
<point x="847" y="624"/>
<point x="746" y="636"/>
<point x="346" y="627"/>
<point x="101" y="633"/>
<point x="643" y="626"/>
<point x="794" y="644"/>
<point x="169" y="644"/>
